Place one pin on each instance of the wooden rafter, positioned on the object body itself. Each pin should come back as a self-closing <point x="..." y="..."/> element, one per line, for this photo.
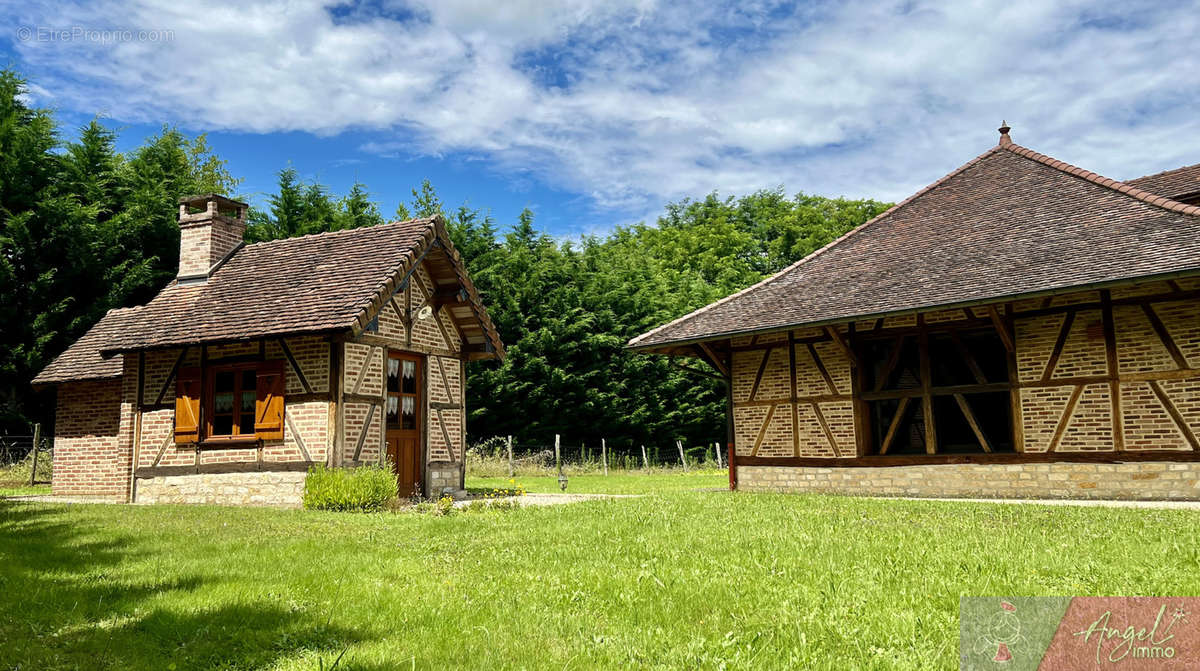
<point x="841" y="344"/>
<point x="1063" y="421"/>
<point x="695" y="371"/>
<point x="890" y="366"/>
<point x="966" y="410"/>
<point x="713" y="359"/>
<point x="1001" y="328"/>
<point x="894" y="426"/>
<point x="1161" y="330"/>
<point x="1059" y="343"/>
<point x="972" y="364"/>
<point x="1176" y="416"/>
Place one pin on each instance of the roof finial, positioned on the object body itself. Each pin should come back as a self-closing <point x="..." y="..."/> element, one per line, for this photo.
<point x="1004" y="139"/>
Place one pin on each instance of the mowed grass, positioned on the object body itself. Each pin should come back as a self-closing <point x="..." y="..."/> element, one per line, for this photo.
<point x="683" y="579"/>
<point x="618" y="482"/>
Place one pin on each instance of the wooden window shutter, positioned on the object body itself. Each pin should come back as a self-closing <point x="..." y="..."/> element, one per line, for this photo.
<point x="268" y="409"/>
<point x="187" y="406"/>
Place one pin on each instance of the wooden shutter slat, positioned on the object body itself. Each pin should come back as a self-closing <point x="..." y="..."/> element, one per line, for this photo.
<point x="268" y="406"/>
<point x="187" y="406"/>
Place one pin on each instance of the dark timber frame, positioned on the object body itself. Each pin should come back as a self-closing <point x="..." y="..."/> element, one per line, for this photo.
<point x="1001" y="319"/>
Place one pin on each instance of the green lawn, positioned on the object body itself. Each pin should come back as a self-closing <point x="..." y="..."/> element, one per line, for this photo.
<point x="623" y="482"/>
<point x="683" y="579"/>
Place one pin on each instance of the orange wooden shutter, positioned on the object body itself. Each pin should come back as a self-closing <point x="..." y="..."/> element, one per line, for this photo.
<point x="187" y="406"/>
<point x="268" y="409"/>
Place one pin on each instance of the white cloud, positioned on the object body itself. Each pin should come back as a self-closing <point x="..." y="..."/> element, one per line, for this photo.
<point x="634" y="102"/>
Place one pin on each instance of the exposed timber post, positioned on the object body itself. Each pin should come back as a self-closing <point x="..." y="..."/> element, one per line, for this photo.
<point x="682" y="459"/>
<point x="510" y="457"/>
<point x="604" y="454"/>
<point x="645" y="462"/>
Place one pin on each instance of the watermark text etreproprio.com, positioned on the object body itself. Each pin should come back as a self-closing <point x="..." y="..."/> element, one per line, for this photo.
<point x="92" y="35"/>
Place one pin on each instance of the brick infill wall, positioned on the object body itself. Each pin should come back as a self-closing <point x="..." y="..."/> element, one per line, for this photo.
<point x="1152" y="480"/>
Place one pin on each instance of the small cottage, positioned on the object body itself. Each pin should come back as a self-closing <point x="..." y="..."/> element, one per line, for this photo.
<point x="261" y="360"/>
<point x="1020" y="328"/>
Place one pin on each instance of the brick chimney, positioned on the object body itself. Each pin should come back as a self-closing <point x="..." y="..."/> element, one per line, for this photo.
<point x="211" y="227"/>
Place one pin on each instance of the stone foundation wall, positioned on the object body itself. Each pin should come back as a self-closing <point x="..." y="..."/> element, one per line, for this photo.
<point x="1149" y="480"/>
<point x="440" y="475"/>
<point x="274" y="489"/>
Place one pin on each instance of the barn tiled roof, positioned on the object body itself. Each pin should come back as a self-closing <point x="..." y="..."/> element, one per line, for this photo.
<point x="82" y="360"/>
<point x="1176" y="183"/>
<point x="1011" y="222"/>
<point x="321" y="283"/>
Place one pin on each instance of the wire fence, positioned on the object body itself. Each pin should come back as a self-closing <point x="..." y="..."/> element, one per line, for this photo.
<point x="507" y="453"/>
<point x="26" y="459"/>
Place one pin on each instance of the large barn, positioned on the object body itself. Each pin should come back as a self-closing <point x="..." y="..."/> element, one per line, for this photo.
<point x="1020" y="328"/>
<point x="261" y="360"/>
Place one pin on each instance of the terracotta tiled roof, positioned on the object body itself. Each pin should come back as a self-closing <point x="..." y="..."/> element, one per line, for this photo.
<point x="324" y="283"/>
<point x="1176" y="183"/>
<point x="82" y="360"/>
<point x="1011" y="222"/>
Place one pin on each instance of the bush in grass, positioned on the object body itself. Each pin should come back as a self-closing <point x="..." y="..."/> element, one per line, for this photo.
<point x="361" y="489"/>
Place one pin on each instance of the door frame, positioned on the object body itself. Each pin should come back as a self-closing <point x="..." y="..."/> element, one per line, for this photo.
<point x="422" y="409"/>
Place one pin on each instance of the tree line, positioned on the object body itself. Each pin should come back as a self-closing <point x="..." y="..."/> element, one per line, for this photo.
<point x="84" y="228"/>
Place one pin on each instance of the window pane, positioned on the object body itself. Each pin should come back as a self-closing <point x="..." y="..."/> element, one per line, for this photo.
<point x="247" y="423"/>
<point x="393" y="411"/>
<point x="408" y="413"/>
<point x="393" y="375"/>
<point x="223" y="425"/>
<point x="410" y="377"/>
<point x="223" y="403"/>
<point x="249" y="380"/>
<point x="248" y="399"/>
<point x="224" y="381"/>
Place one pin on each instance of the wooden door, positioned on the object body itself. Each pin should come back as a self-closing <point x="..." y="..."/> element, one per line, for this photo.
<point x="404" y="393"/>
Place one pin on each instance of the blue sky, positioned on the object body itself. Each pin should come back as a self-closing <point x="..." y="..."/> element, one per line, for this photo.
<point x="597" y="112"/>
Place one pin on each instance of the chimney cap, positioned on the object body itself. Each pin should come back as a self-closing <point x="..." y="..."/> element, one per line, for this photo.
<point x="1004" y="139"/>
<point x="205" y="197"/>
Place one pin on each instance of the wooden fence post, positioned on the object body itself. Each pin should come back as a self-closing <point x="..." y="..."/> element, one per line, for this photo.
<point x="510" y="458"/>
<point x="557" y="458"/>
<point x="604" y="454"/>
<point x="37" y="438"/>
<point x="682" y="459"/>
<point x="645" y="462"/>
<point x="717" y="449"/>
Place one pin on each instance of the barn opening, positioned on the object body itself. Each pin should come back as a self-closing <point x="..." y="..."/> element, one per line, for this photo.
<point x="936" y="391"/>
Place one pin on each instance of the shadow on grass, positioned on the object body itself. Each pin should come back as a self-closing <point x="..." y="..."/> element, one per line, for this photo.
<point x="69" y="600"/>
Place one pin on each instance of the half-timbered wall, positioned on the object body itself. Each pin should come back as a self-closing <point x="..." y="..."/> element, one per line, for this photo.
<point x="792" y="396"/>
<point x="399" y="327"/>
<point x="1111" y="370"/>
<point x="306" y="405"/>
<point x="1090" y="373"/>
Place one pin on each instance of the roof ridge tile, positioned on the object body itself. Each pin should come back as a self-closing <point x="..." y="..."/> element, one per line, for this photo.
<point x="1125" y="188"/>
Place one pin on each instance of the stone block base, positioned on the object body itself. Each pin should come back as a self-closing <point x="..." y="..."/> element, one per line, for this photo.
<point x="1146" y="480"/>
<point x="274" y="489"/>
<point x="442" y="475"/>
